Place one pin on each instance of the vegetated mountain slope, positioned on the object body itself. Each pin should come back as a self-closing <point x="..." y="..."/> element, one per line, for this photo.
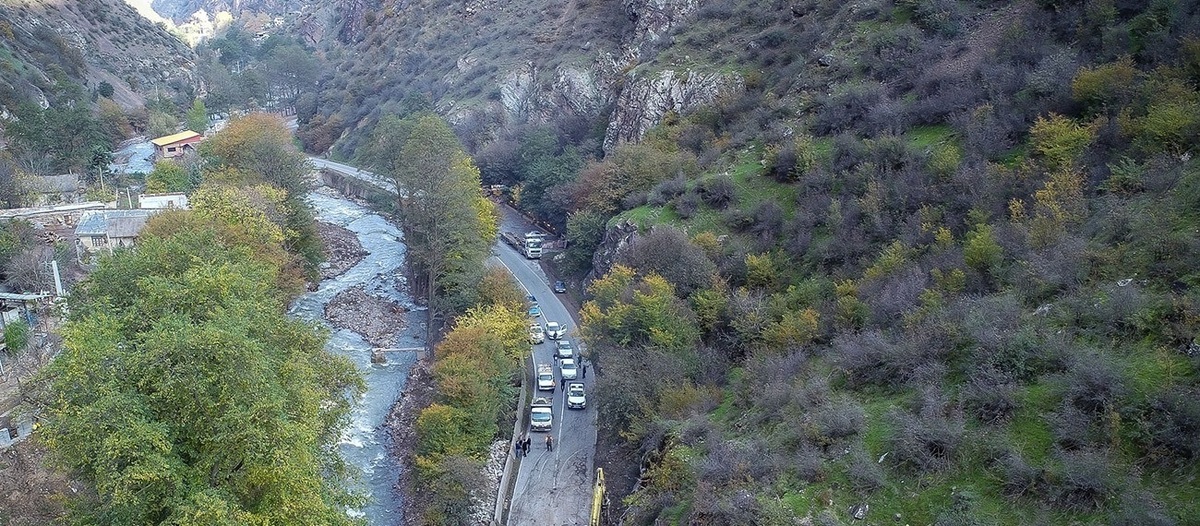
<point x="494" y="66"/>
<point x="935" y="263"/>
<point x="88" y="42"/>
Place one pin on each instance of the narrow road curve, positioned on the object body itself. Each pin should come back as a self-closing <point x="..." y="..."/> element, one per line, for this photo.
<point x="552" y="487"/>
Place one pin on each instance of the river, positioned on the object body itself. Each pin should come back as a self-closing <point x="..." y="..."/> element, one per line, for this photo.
<point x="365" y="443"/>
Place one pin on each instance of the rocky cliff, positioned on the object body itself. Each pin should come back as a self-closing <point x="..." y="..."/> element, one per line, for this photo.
<point x="647" y="97"/>
<point x="490" y="64"/>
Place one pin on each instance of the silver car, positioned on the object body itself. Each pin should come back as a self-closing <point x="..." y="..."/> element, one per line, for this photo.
<point x="563" y="349"/>
<point x="567" y="368"/>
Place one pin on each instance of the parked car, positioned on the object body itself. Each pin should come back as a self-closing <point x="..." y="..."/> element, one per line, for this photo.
<point x="541" y="414"/>
<point x="545" y="377"/>
<point x="536" y="334"/>
<point x="560" y="287"/>
<point x="555" y="330"/>
<point x="535" y="311"/>
<point x="576" y="397"/>
<point x="563" y="349"/>
<point x="567" y="368"/>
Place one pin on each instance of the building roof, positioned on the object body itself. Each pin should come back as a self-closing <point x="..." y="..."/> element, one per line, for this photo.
<point x="126" y="226"/>
<point x="171" y="139"/>
<point x="112" y="223"/>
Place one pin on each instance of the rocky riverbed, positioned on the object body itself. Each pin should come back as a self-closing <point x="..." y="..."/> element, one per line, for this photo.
<point x="383" y="323"/>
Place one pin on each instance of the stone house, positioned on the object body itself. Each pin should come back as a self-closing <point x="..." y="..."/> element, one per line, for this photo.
<point x="107" y="230"/>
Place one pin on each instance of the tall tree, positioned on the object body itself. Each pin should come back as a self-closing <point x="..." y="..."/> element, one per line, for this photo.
<point x="446" y="221"/>
<point x="261" y="144"/>
<point x="10" y="188"/>
<point x="259" y="148"/>
<point x="184" y="395"/>
<point x="291" y="69"/>
<point x="197" y="117"/>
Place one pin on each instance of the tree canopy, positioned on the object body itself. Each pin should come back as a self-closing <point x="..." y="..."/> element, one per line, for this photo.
<point x="448" y="224"/>
<point x="184" y="395"/>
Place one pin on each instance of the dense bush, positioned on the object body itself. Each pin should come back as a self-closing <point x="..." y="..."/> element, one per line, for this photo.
<point x="1083" y="482"/>
<point x="1169" y="428"/>
<point x="873" y="358"/>
<point x="925" y="442"/>
<point x="990" y="396"/>
<point x="718" y="192"/>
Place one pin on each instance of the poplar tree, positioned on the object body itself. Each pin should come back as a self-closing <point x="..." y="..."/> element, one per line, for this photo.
<point x="448" y="225"/>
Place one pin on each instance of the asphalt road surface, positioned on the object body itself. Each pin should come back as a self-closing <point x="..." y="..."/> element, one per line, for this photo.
<point x="381" y="182"/>
<point x="552" y="487"/>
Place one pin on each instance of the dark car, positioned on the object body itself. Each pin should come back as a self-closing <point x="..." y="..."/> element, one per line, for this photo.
<point x="560" y="287"/>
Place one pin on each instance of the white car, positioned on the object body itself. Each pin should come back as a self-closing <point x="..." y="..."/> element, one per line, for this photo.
<point x="555" y="330"/>
<point x="541" y="415"/>
<point x="536" y="334"/>
<point x="576" y="397"/>
<point x="563" y="349"/>
<point x="545" y="378"/>
<point x="567" y="368"/>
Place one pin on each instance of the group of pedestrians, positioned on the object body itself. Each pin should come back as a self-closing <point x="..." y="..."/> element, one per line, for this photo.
<point x="522" y="445"/>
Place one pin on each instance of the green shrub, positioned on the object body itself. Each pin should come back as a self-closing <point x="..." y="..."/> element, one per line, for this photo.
<point x="1059" y="140"/>
<point x="1105" y="85"/>
<point x="980" y="249"/>
<point x="16" y="336"/>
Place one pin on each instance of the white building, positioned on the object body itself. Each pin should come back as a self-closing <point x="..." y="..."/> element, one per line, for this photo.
<point x="161" y="201"/>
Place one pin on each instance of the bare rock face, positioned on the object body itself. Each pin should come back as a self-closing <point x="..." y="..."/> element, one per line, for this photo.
<point x="646" y="99"/>
<point x="615" y="238"/>
<point x="653" y="21"/>
<point x="529" y="93"/>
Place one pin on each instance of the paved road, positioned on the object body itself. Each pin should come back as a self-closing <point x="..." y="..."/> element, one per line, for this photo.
<point x="552" y="488"/>
<point x="381" y="182"/>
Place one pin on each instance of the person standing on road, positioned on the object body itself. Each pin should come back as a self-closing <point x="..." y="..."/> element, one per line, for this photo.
<point x="562" y="383"/>
<point x="525" y="445"/>
<point x="585" y="369"/>
<point x="549" y="443"/>
<point x="519" y="445"/>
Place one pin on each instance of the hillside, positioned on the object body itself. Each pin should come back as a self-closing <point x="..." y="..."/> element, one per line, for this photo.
<point x="88" y="43"/>
<point x="929" y="260"/>
<point x="932" y="265"/>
